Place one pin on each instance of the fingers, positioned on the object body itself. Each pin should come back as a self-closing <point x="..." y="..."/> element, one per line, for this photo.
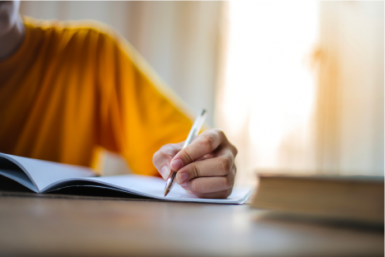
<point x="204" y="168"/>
<point x="205" y="143"/>
<point x="163" y="157"/>
<point x="212" y="167"/>
<point x="210" y="185"/>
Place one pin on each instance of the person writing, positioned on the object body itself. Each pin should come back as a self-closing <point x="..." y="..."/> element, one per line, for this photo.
<point x="70" y="89"/>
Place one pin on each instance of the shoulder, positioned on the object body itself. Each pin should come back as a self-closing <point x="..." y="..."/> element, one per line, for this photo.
<point x="72" y="33"/>
<point x="71" y="27"/>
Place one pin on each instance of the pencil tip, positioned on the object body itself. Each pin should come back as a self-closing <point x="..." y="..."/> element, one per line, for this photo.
<point x="166" y="192"/>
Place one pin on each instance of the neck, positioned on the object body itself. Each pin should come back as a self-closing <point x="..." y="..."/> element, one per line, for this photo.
<point x="12" y="40"/>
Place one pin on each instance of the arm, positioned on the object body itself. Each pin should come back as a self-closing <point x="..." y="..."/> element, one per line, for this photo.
<point x="137" y="113"/>
<point x="141" y="115"/>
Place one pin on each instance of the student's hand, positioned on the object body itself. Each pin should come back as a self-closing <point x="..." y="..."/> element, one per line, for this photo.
<point x="204" y="168"/>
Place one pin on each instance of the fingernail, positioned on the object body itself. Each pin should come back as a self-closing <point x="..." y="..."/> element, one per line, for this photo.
<point x="183" y="177"/>
<point x="177" y="164"/>
<point x="184" y="185"/>
<point x="164" y="171"/>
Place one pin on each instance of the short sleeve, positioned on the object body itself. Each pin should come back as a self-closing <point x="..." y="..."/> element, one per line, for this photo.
<point x="136" y="113"/>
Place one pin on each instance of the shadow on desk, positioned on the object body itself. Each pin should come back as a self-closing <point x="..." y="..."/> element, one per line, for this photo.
<point x="295" y="220"/>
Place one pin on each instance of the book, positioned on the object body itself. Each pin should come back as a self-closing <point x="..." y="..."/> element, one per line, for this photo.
<point x="348" y="198"/>
<point x="49" y="177"/>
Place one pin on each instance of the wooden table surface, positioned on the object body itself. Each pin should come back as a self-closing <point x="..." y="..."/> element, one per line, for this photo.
<point x="33" y="225"/>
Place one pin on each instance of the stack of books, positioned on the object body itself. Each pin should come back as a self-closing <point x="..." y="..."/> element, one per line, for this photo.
<point x="348" y="198"/>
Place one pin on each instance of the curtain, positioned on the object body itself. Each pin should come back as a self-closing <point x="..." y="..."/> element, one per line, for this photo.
<point x="303" y="87"/>
<point x="350" y="106"/>
<point x="266" y="100"/>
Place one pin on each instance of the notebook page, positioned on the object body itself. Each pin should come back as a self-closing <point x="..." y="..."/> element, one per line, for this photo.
<point x="44" y="173"/>
<point x="18" y="176"/>
<point x="154" y="187"/>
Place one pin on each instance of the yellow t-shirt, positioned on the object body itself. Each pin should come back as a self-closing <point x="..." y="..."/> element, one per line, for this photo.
<point x="73" y="88"/>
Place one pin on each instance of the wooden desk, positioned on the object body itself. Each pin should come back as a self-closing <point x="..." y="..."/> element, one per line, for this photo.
<point x="45" y="226"/>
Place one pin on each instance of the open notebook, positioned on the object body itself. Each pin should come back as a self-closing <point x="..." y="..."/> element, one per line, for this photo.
<point x="44" y="176"/>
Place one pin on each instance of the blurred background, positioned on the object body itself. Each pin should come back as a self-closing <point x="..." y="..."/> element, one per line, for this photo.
<point x="297" y="86"/>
